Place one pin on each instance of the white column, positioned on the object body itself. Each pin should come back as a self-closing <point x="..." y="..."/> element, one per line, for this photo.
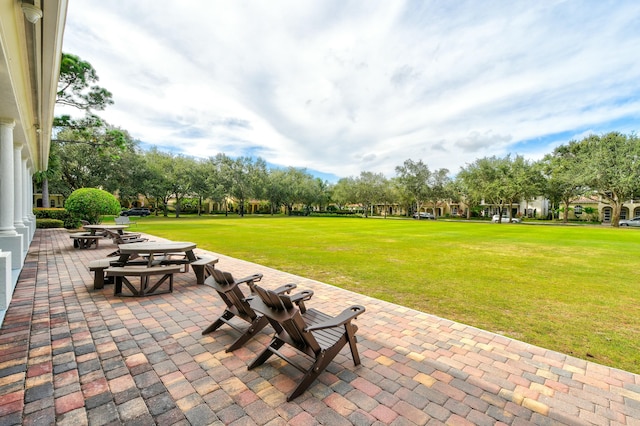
<point x="28" y="217"/>
<point x="17" y="185"/>
<point x="18" y="190"/>
<point x="7" y="284"/>
<point x="6" y="177"/>
<point x="10" y="240"/>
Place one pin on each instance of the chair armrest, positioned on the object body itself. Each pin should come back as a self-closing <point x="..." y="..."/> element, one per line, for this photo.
<point x="301" y="296"/>
<point x="299" y="299"/>
<point x="250" y="278"/>
<point x="285" y="288"/>
<point x="344" y="317"/>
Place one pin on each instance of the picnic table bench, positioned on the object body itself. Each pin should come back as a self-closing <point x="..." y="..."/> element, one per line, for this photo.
<point x="98" y="267"/>
<point x="145" y="273"/>
<point x="202" y="267"/>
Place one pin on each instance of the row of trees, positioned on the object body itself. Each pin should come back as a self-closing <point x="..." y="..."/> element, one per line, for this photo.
<point x="88" y="152"/>
<point x="607" y="165"/>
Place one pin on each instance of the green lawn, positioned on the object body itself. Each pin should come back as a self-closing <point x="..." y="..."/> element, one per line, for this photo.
<point x="573" y="289"/>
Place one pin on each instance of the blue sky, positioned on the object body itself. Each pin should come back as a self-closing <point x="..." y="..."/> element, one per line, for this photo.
<point x="340" y="87"/>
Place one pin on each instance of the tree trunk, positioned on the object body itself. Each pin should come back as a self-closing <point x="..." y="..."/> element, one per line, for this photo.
<point x="166" y="207"/>
<point x="616" y="208"/>
<point x="566" y="212"/>
<point x="45" y="193"/>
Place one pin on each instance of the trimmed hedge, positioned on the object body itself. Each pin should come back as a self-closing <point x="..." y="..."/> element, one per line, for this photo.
<point x="334" y="213"/>
<point x="91" y="203"/>
<point x="69" y="221"/>
<point x="49" y="223"/>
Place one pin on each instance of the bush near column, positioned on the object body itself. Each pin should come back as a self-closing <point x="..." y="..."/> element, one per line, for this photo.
<point x="91" y="203"/>
<point x="69" y="220"/>
<point x="49" y="223"/>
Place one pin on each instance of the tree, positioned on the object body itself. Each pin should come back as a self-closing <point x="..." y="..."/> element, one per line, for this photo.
<point x="501" y="181"/>
<point x="387" y="196"/>
<point x="82" y="165"/>
<point x="564" y="175"/>
<point x="243" y="178"/>
<point x="525" y="182"/>
<point x="209" y="182"/>
<point x="76" y="88"/>
<point x="485" y="180"/>
<point x="131" y="174"/>
<point x="439" y="188"/>
<point x="344" y="192"/>
<point x="414" y="177"/>
<point x="401" y="194"/>
<point x="324" y="192"/>
<point x="91" y="203"/>
<point x="157" y="186"/>
<point x="276" y="189"/>
<point x="52" y="174"/>
<point x="298" y="187"/>
<point x="612" y="168"/>
<point x="368" y="189"/>
<point x="178" y="177"/>
<point x="258" y="178"/>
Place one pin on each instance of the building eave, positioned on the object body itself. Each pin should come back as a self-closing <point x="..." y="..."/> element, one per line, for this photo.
<point x="30" y="64"/>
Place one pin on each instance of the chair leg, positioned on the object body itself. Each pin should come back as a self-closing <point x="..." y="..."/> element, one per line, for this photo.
<point x="351" y="337"/>
<point x="274" y="345"/>
<point x="256" y="326"/>
<point x="312" y="374"/>
<point x="226" y="315"/>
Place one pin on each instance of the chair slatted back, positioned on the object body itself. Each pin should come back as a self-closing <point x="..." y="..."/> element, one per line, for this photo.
<point x="231" y="293"/>
<point x="293" y="323"/>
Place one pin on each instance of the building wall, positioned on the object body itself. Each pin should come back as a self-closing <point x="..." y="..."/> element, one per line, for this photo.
<point x="55" y="201"/>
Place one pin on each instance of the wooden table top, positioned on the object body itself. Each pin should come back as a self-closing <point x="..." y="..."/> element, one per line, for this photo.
<point x="156" y="247"/>
<point x="112" y="227"/>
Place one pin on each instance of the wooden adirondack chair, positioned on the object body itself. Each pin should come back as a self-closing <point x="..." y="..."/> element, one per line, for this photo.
<point x="311" y="332"/>
<point x="229" y="291"/>
<point x="124" y="220"/>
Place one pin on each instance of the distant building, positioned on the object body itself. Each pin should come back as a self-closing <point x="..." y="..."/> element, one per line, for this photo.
<point x="55" y="201"/>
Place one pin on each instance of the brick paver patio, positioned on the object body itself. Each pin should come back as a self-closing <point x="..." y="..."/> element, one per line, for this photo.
<point x="72" y="355"/>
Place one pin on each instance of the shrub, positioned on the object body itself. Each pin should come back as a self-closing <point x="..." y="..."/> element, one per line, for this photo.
<point x="69" y="220"/>
<point x="49" y="223"/>
<point x="91" y="203"/>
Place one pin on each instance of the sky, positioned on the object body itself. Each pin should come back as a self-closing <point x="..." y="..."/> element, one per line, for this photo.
<point x="339" y="87"/>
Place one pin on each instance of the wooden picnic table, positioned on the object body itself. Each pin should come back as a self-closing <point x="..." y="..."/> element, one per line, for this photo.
<point x="93" y="229"/>
<point x="151" y="250"/>
<point x="83" y="240"/>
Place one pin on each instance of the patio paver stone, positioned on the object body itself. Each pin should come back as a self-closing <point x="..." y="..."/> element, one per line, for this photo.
<point x="71" y="354"/>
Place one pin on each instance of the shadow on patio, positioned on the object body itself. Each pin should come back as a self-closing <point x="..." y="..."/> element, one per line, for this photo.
<point x="70" y="354"/>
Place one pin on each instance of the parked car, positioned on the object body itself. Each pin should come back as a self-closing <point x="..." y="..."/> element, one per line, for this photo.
<point x="631" y="222"/>
<point x="424" y="215"/>
<point x="505" y="218"/>
<point x="136" y="211"/>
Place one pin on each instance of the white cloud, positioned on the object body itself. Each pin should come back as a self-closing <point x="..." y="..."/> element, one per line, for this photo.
<point x="342" y="87"/>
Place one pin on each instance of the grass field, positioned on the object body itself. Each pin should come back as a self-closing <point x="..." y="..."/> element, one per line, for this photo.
<point x="573" y="289"/>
